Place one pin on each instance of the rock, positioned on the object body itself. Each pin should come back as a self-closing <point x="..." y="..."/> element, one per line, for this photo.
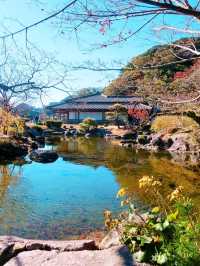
<point x="130" y="135"/>
<point x="96" y="132"/>
<point x="179" y="140"/>
<point x="16" y="251"/>
<point x="115" y="256"/>
<point x="110" y="240"/>
<point x="179" y="145"/>
<point x="10" y="246"/>
<point x="33" y="132"/>
<point x="159" y="141"/>
<point x="155" y="137"/>
<point x="42" y="156"/>
<point x="11" y="150"/>
<point x="61" y="245"/>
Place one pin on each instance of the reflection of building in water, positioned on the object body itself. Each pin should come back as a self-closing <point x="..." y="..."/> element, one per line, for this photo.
<point x="69" y="146"/>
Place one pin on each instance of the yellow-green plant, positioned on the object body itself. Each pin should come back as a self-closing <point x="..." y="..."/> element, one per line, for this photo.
<point x="162" y="234"/>
<point x="167" y="122"/>
<point x="10" y="123"/>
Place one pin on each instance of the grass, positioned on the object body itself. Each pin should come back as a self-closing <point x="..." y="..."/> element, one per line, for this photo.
<point x="167" y="122"/>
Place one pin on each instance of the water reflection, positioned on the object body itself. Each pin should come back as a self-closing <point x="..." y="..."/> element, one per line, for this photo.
<point x="129" y="165"/>
<point x="13" y="210"/>
<point x="68" y="197"/>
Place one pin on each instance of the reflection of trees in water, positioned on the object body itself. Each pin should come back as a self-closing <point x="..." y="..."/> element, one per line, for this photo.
<point x="8" y="176"/>
<point x="130" y="165"/>
<point x="13" y="208"/>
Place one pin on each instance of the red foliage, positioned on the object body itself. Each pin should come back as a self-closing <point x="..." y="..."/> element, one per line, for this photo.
<point x="186" y="73"/>
<point x="140" y="114"/>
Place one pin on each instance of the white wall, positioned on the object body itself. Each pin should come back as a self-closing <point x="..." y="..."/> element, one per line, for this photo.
<point x="95" y="115"/>
<point x="72" y="115"/>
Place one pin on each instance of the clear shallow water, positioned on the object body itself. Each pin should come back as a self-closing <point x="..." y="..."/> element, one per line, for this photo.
<point x="68" y="197"/>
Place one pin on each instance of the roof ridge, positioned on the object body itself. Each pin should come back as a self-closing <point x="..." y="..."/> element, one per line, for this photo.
<point x="81" y="97"/>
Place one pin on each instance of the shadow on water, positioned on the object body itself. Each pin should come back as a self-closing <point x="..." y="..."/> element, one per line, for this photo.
<point x="67" y="198"/>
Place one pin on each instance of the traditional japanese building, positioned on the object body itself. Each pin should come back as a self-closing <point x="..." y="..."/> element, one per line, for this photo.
<point x="95" y="106"/>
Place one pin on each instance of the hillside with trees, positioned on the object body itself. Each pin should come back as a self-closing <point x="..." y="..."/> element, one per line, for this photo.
<point x="163" y="72"/>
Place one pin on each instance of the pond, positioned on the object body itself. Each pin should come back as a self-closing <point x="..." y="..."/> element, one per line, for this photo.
<point x="67" y="198"/>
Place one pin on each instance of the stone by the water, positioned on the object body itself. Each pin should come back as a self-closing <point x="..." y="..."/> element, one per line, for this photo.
<point x="16" y="251"/>
<point x="43" y="156"/>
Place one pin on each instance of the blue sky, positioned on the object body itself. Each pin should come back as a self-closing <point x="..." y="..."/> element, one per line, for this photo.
<point x="66" y="47"/>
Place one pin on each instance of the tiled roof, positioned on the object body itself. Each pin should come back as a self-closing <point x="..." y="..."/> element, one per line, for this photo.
<point x="100" y="98"/>
<point x="95" y="100"/>
<point x="97" y="106"/>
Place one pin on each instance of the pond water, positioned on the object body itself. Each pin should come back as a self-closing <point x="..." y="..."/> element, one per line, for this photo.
<point x="67" y="198"/>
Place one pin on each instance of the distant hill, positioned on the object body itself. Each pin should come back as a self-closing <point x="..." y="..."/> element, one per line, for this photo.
<point x="154" y="74"/>
<point x="24" y="109"/>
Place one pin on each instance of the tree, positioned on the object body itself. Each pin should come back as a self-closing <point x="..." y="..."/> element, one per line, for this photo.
<point x="105" y="14"/>
<point x="118" y="113"/>
<point x="87" y="92"/>
<point x="10" y="123"/>
<point x="119" y="21"/>
<point x="27" y="75"/>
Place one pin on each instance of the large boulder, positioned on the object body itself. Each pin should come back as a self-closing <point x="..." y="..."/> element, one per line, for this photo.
<point x="33" y="132"/>
<point x="179" y="145"/>
<point x="11" y="246"/>
<point x="161" y="141"/>
<point x="116" y="256"/>
<point x="42" y="156"/>
<point x="11" y="150"/>
<point x="185" y="141"/>
<point x="15" y="251"/>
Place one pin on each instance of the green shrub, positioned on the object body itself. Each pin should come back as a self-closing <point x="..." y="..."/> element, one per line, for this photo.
<point x="88" y="124"/>
<point x="167" y="234"/>
<point x="53" y="124"/>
